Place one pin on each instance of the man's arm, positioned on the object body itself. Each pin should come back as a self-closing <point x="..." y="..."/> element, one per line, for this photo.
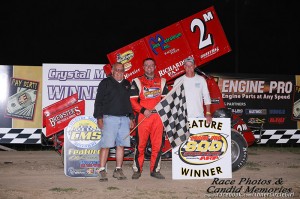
<point x="98" y="105"/>
<point x="207" y="101"/>
<point x="134" y="96"/>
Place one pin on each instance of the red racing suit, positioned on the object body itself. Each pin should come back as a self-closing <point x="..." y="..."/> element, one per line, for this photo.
<point x="145" y="94"/>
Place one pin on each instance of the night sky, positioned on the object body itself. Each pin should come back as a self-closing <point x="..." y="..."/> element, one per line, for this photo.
<point x="263" y="35"/>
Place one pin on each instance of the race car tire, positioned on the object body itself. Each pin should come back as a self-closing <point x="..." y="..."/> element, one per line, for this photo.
<point x="239" y="150"/>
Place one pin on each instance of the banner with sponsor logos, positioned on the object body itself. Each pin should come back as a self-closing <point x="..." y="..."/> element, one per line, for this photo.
<point x="200" y="35"/>
<point x="271" y="100"/>
<point x="207" y="152"/>
<point x="71" y="89"/>
<point x="63" y="80"/>
<point x="249" y="96"/>
<point x="81" y="155"/>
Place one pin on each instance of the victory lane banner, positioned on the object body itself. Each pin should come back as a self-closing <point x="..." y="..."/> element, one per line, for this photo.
<point x="81" y="147"/>
<point x="207" y="152"/>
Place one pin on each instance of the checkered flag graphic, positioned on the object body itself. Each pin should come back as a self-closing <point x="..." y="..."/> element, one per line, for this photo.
<point x="173" y="113"/>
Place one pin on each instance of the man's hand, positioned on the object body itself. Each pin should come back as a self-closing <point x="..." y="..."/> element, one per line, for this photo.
<point x="208" y="118"/>
<point x="147" y="113"/>
<point x="100" y="123"/>
<point x="131" y="124"/>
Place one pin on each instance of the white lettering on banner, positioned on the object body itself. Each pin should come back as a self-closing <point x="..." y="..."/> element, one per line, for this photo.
<point x="233" y="96"/>
<point x="281" y="87"/>
<point x="255" y="86"/>
<point x="171" y="70"/>
<point x="54" y="74"/>
<point x="209" y="53"/>
<point x="68" y="75"/>
<point x="244" y="86"/>
<point x="279" y="97"/>
<point x="61" y="92"/>
<point x="63" y="116"/>
<point x="131" y="73"/>
<point x="235" y="103"/>
<point x="63" y="80"/>
<point x="251" y="96"/>
<point x="99" y="74"/>
<point x="270" y="97"/>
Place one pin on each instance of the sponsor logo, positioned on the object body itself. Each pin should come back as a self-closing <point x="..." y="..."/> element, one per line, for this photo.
<point x="277" y="111"/>
<point x="256" y="120"/>
<point x="159" y="41"/>
<point x="256" y="111"/>
<point x="235" y="103"/>
<point x="215" y="100"/>
<point x="127" y="75"/>
<point x="74" y="171"/>
<point x="237" y="111"/>
<point x="86" y="164"/>
<point x="173" y="70"/>
<point x="125" y="58"/>
<point x="276" y="120"/>
<point x="83" y="151"/>
<point x="64" y="116"/>
<point x="83" y="157"/>
<point x="207" y="147"/>
<point x="151" y="92"/>
<point x="83" y="132"/>
<point x="90" y="171"/>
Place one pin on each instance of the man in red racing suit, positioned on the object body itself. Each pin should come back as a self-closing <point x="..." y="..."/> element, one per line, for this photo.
<point x="146" y="93"/>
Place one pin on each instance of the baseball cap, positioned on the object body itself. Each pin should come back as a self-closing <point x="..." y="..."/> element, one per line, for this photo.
<point x="189" y="59"/>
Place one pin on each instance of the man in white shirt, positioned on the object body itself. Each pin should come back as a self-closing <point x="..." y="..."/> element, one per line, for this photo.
<point x="196" y="91"/>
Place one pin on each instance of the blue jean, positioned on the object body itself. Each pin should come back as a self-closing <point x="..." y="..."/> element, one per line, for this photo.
<point x="115" y="129"/>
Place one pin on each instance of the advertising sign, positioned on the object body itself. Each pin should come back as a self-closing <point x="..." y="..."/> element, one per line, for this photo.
<point x="81" y="155"/>
<point x="20" y="98"/>
<point x="207" y="152"/>
<point x="268" y="99"/>
<point x="20" y="104"/>
<point x="63" y="80"/>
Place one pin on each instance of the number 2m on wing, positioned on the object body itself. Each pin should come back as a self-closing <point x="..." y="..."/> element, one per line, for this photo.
<point x="203" y="42"/>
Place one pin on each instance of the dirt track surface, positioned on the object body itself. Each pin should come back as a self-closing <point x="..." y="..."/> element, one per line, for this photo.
<point x="40" y="174"/>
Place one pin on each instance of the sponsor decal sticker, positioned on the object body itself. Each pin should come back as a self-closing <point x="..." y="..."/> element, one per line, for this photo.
<point x="83" y="132"/>
<point x="256" y="111"/>
<point x="207" y="147"/>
